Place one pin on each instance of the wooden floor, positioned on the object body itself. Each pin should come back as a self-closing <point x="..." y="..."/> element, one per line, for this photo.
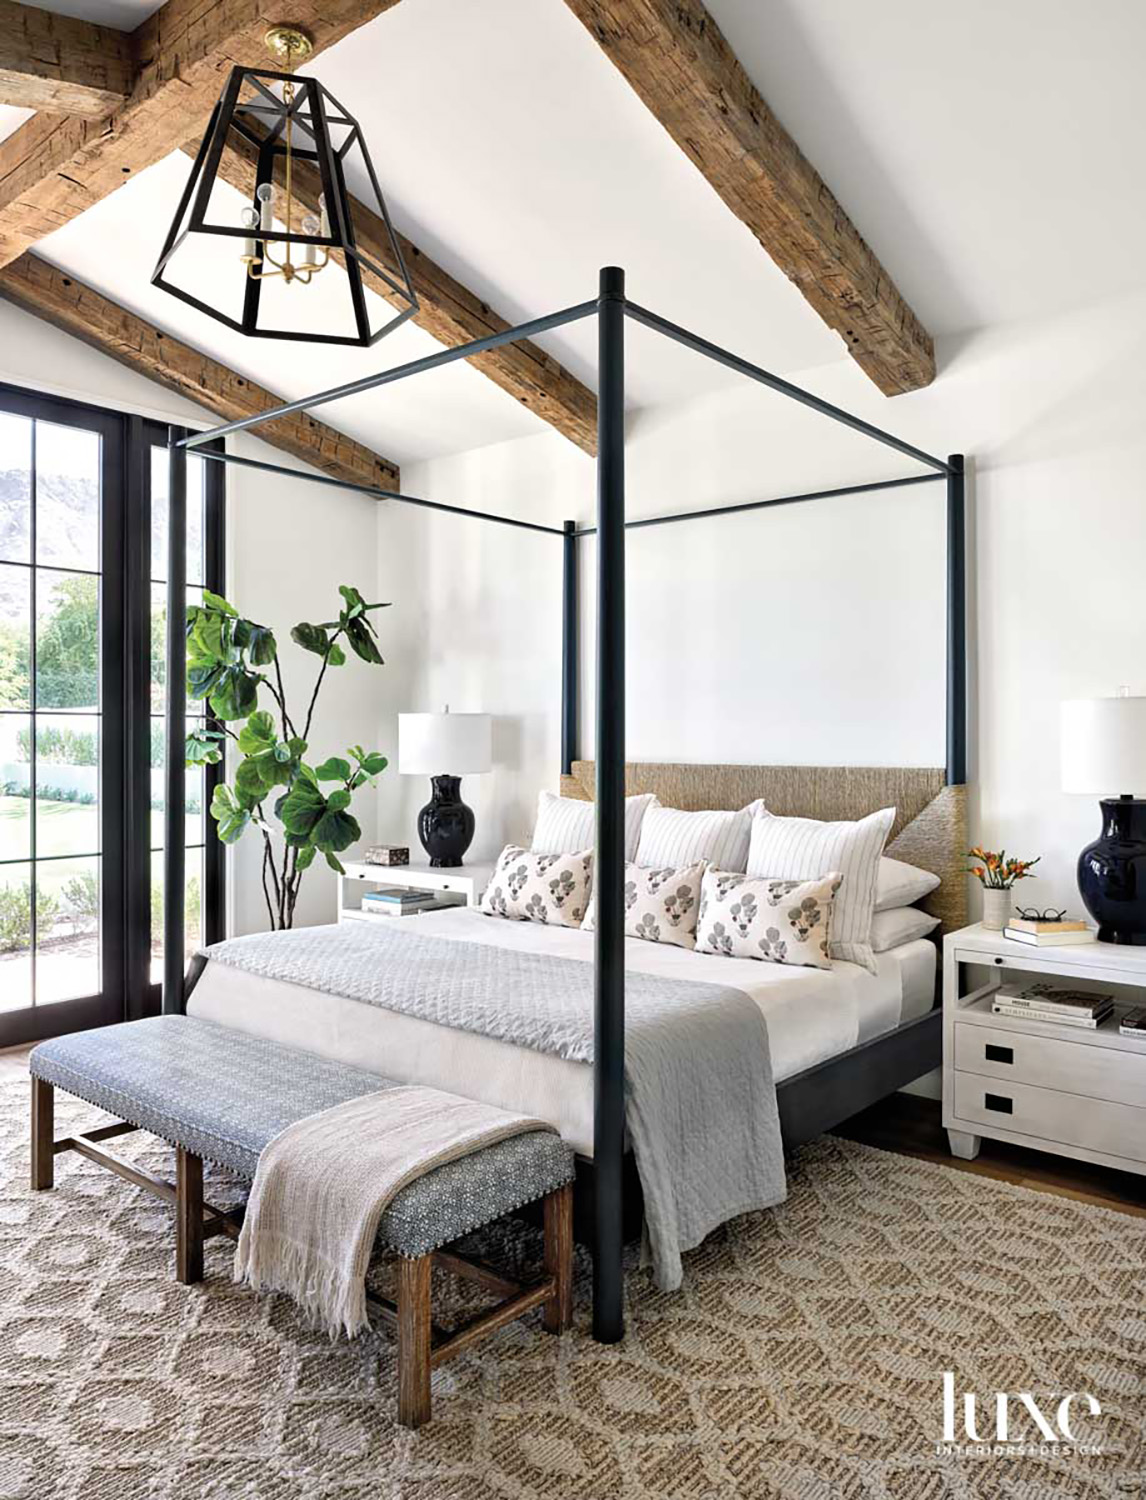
<point x="911" y="1125"/>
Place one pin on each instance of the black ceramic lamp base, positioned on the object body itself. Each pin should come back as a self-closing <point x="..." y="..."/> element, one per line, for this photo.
<point x="446" y="824"/>
<point x="1112" y="873"/>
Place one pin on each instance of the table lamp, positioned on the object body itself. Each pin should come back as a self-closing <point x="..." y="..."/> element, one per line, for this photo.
<point x="445" y="747"/>
<point x="1103" y="753"/>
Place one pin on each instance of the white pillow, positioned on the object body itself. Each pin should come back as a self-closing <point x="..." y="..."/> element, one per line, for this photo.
<point x="778" y="921"/>
<point x="549" y="888"/>
<point x="672" y="838"/>
<point x="901" y="925"/>
<point x="900" y="884"/>
<point x="803" y="849"/>
<point x="566" y="825"/>
<point x="660" y="905"/>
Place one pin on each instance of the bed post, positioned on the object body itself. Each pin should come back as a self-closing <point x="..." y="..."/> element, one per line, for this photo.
<point x="174" y="773"/>
<point x="956" y="624"/>
<point x="569" y="648"/>
<point x="609" y="874"/>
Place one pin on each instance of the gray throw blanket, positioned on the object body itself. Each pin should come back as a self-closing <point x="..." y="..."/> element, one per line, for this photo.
<point x="700" y="1100"/>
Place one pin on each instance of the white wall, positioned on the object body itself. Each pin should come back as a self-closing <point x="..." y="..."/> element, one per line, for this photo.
<point x="289" y="546"/>
<point x="815" y="633"/>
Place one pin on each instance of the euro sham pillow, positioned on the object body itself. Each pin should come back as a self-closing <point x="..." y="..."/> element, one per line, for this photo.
<point x="901" y="884"/>
<point x="566" y="825"/>
<point x="549" y="888"/>
<point x="889" y="929"/>
<point x="671" y="838"/>
<point x="660" y="905"/>
<point x="804" y="849"/>
<point x="777" y="921"/>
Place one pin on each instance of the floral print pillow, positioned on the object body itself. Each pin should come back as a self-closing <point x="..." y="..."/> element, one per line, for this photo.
<point x="550" y="888"/>
<point x="778" y="921"/>
<point x="660" y="904"/>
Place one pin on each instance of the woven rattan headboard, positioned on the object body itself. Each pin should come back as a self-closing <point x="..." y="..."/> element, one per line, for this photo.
<point x="930" y="828"/>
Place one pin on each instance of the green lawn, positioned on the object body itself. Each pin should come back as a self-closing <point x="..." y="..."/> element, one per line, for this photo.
<point x="65" y="828"/>
<point x="61" y="828"/>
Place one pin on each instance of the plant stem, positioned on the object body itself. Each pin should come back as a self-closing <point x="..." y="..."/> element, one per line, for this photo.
<point x="318" y="683"/>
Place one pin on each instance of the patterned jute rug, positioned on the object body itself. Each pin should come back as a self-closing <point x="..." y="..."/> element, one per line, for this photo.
<point x="803" y="1359"/>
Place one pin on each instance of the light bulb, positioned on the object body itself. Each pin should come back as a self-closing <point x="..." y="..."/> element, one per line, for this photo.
<point x="324" y="217"/>
<point x="250" y="252"/>
<point x="265" y="194"/>
<point x="310" y="225"/>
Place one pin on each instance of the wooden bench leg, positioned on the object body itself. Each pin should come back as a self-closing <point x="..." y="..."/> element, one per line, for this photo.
<point x="414" y="1340"/>
<point x="188" y="1216"/>
<point x="43" y="1134"/>
<point x="558" y="1314"/>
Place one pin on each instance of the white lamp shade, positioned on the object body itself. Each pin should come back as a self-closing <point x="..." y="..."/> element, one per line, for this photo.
<point x="1104" y="746"/>
<point x="444" y="744"/>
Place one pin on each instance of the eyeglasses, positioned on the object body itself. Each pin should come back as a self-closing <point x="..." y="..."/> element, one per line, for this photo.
<point x="1032" y="914"/>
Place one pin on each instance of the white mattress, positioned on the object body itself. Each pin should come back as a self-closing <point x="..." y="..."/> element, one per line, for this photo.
<point x="811" y="1015"/>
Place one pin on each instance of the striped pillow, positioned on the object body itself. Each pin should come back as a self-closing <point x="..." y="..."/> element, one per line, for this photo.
<point x="674" y="838"/>
<point x="566" y="825"/>
<point x="803" y="849"/>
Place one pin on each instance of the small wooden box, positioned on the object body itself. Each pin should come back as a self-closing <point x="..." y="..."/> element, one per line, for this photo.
<point x="387" y="854"/>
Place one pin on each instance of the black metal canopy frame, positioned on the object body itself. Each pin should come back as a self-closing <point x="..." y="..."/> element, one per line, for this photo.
<point x="611" y="308"/>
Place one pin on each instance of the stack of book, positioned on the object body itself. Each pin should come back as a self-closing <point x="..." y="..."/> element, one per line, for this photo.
<point x="1047" y="934"/>
<point x="397" y="901"/>
<point x="1053" y="1003"/>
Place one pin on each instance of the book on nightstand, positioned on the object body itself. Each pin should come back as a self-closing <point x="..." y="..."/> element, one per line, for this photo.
<point x="397" y="901"/>
<point x="1133" y="1023"/>
<point x="1057" y="1004"/>
<point x="1037" y="934"/>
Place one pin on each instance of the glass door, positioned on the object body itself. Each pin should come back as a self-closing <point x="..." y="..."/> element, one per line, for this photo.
<point x="61" y="716"/>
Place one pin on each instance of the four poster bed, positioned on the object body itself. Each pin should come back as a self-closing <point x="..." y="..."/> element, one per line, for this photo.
<point x="838" y="1039"/>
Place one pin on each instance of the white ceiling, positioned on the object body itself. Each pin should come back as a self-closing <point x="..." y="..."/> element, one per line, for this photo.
<point x="989" y="153"/>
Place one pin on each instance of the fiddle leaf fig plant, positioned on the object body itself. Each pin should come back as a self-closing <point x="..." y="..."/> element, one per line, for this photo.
<point x="299" y="809"/>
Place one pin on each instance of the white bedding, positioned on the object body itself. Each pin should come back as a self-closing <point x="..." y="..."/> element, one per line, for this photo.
<point x="811" y="1014"/>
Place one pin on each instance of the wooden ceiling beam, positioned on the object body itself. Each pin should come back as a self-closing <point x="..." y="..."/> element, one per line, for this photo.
<point x="60" y="64"/>
<point x="53" y="168"/>
<point x="47" y="292"/>
<point x="447" y="310"/>
<point x="674" y="56"/>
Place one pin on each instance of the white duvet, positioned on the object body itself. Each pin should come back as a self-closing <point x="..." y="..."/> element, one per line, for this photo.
<point x="811" y="1015"/>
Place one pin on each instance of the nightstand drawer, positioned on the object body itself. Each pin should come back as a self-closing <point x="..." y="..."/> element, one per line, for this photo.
<point x="1115" y="1129"/>
<point x="1051" y="1063"/>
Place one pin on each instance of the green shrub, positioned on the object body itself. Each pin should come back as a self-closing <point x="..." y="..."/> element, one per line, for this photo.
<point x="16" y="915"/>
<point x="60" y="747"/>
<point x="81" y="896"/>
<point x="192" y="908"/>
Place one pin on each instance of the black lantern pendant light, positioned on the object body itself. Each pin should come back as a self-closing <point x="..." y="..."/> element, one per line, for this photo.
<point x="286" y="264"/>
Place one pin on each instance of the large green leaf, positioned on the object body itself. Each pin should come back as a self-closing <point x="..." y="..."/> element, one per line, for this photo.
<point x="236" y="694"/>
<point x="305" y="857"/>
<point x="219" y="604"/>
<point x="263" y="647"/>
<point x="334" y="769"/>
<point x="374" y="763"/>
<point x="232" y="818"/>
<point x="335" y="830"/>
<point x="338" y="801"/>
<point x="310" y="638"/>
<point x="302" y="807"/>
<point x="204" y="748"/>
<point x="258" y="733"/>
<point x="361" y="638"/>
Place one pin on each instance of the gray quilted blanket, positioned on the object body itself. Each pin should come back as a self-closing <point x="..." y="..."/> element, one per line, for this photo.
<point x="700" y="1100"/>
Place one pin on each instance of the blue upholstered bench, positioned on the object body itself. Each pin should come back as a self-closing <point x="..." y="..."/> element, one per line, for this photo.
<point x="219" y="1095"/>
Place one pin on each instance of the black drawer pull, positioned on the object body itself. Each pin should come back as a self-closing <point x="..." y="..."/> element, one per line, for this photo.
<point x="999" y="1103"/>
<point x="999" y="1054"/>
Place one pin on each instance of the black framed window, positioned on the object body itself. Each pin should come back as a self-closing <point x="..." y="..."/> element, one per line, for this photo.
<point x="78" y="507"/>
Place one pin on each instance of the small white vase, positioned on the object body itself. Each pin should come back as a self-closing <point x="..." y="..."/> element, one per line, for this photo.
<point x="996" y="908"/>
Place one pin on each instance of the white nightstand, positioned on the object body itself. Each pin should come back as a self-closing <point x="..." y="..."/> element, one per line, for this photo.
<point x="1065" y="1089"/>
<point x="458" y="887"/>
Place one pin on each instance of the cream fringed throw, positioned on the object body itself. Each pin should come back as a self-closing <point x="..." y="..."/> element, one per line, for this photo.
<point x="323" y="1183"/>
